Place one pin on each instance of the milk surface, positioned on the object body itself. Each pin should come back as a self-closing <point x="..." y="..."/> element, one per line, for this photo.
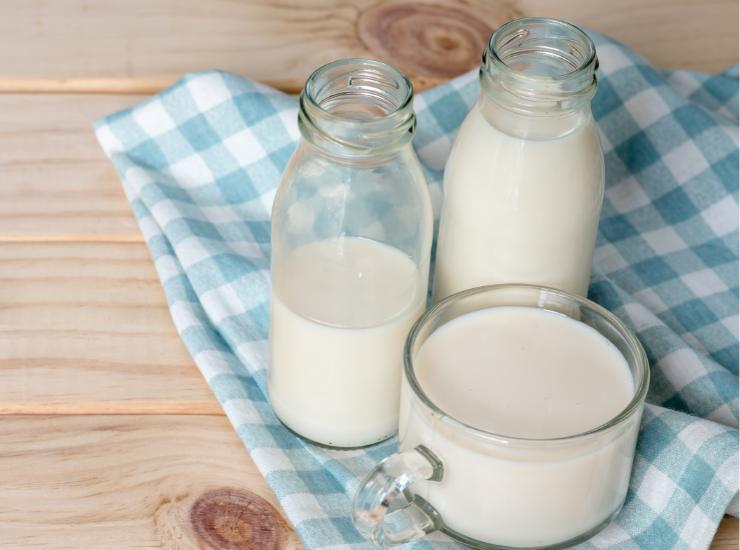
<point x="341" y="310"/>
<point x="526" y="373"/>
<point x="522" y="198"/>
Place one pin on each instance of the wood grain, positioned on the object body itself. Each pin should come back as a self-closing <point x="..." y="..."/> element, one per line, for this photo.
<point x="102" y="482"/>
<point x="147" y="482"/>
<point x="140" y="45"/>
<point x="727" y="535"/>
<point x="431" y="43"/>
<point x="85" y="328"/>
<point x="55" y="182"/>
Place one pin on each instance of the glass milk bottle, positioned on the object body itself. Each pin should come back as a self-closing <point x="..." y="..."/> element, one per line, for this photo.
<point x="351" y="239"/>
<point x="524" y="182"/>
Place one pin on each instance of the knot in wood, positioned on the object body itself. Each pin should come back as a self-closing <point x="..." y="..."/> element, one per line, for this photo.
<point x="230" y="519"/>
<point x="432" y="41"/>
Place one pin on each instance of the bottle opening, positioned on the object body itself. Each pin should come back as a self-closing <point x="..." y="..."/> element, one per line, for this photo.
<point x="543" y="47"/>
<point x="357" y="107"/>
<point x="538" y="66"/>
<point x="359" y="89"/>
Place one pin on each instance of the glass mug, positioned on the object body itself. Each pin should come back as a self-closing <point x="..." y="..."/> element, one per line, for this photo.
<point x="493" y="491"/>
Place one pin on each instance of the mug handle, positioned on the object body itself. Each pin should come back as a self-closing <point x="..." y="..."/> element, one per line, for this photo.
<point x="385" y="511"/>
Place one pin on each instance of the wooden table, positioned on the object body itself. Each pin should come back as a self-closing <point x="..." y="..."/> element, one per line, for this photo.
<point x="110" y="437"/>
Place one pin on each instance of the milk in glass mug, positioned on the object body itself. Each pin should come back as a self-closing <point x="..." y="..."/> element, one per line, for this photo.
<point x="520" y="409"/>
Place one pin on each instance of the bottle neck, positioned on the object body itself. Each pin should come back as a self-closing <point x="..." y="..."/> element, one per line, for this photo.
<point x="538" y="72"/>
<point x="356" y="109"/>
<point x="531" y="126"/>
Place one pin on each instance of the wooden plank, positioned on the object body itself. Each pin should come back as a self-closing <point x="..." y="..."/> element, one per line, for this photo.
<point x="55" y="181"/>
<point x="112" y="482"/>
<point x="85" y="328"/>
<point x="668" y="33"/>
<point x="727" y="535"/>
<point x="105" y="482"/>
<point x="140" y="45"/>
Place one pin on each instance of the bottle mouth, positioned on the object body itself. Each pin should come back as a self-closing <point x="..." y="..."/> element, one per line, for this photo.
<point x="355" y="106"/>
<point x="541" y="60"/>
<point x="358" y="89"/>
<point x="542" y="48"/>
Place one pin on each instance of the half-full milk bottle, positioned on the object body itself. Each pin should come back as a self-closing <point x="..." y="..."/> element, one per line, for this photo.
<point x="351" y="238"/>
<point x="524" y="182"/>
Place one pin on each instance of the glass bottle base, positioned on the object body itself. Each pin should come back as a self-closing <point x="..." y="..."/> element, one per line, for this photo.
<point x="331" y="446"/>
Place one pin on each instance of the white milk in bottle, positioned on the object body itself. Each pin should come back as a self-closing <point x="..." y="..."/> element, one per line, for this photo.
<point x="351" y="241"/>
<point x="524" y="182"/>
<point x="341" y="310"/>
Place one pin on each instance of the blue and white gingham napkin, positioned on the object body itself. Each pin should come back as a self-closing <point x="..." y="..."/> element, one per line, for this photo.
<point x="200" y="163"/>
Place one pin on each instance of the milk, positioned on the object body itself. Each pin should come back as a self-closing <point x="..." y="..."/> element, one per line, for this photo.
<point x="522" y="198"/>
<point x="522" y="373"/>
<point x="341" y="310"/>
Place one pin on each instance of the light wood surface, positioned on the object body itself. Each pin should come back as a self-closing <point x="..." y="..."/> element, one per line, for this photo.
<point x="141" y="45"/>
<point x="726" y="537"/>
<point x="55" y="183"/>
<point x="116" y="482"/>
<point x="85" y="329"/>
<point x="110" y="438"/>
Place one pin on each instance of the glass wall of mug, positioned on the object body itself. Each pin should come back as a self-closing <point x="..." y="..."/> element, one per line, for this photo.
<point x="493" y="491"/>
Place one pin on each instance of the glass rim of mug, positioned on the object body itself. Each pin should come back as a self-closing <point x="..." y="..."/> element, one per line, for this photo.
<point x="642" y="379"/>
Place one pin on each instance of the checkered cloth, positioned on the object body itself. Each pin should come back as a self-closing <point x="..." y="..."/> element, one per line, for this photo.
<point x="200" y="163"/>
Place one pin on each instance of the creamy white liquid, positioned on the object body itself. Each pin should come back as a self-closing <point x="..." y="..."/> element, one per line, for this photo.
<point x="520" y="210"/>
<point x="341" y="310"/>
<point x="528" y="373"/>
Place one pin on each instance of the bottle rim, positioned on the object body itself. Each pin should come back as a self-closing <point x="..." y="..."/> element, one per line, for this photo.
<point x="313" y="87"/>
<point x="357" y="107"/>
<point x="563" y="70"/>
<point x="521" y="28"/>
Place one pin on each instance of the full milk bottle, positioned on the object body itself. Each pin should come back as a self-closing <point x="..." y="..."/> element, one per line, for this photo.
<point x="351" y="238"/>
<point x="524" y="182"/>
